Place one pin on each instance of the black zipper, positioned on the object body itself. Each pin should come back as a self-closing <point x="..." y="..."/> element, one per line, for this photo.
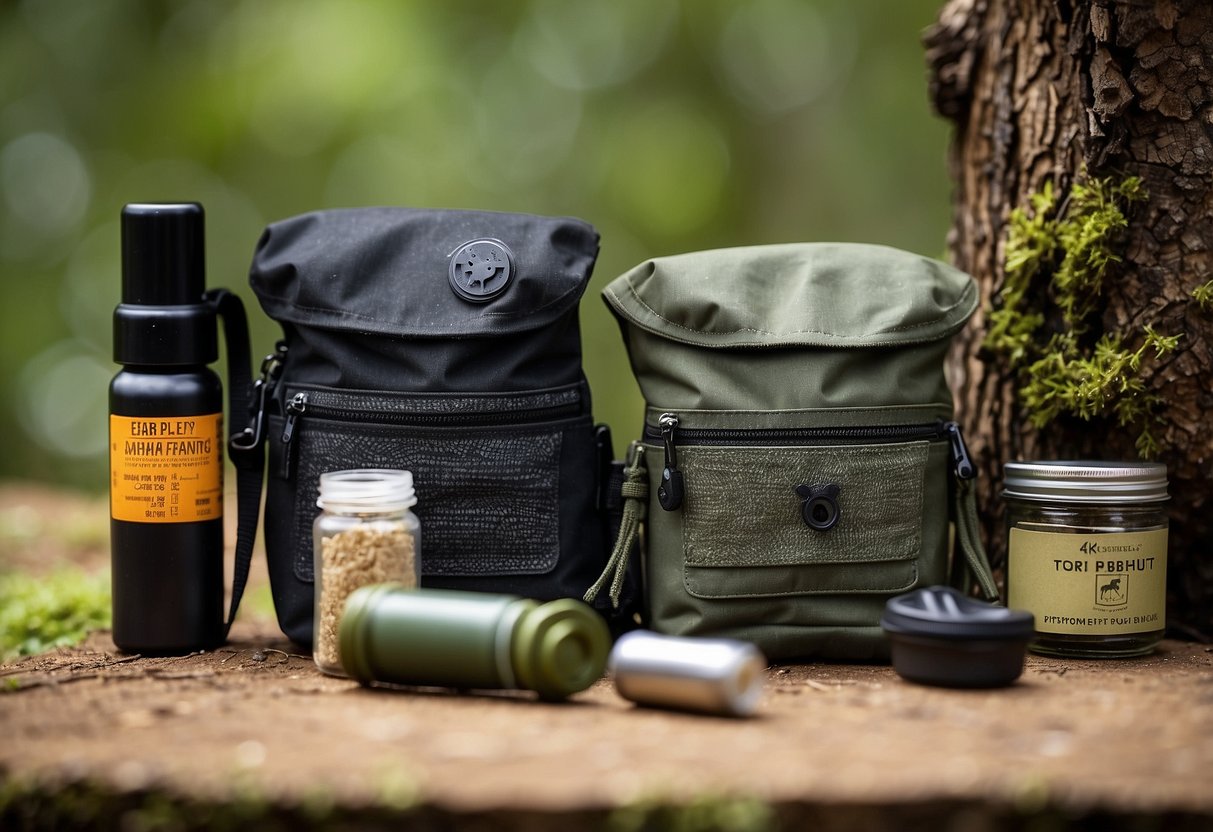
<point x="295" y="408"/>
<point x="303" y="402"/>
<point x="667" y="432"/>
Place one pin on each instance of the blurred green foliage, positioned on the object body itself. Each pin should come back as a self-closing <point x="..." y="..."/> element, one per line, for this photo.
<point x="670" y="125"/>
<point x="38" y="613"/>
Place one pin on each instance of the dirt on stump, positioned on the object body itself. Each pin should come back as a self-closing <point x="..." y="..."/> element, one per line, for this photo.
<point x="841" y="746"/>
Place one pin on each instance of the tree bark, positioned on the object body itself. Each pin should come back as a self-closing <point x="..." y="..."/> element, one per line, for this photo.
<point x="1038" y="90"/>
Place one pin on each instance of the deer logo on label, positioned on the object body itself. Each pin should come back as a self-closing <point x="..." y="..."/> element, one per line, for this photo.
<point x="1111" y="590"/>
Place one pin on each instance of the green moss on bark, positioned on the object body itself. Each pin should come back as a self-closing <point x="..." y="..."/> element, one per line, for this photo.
<point x="1044" y="325"/>
<point x="1203" y="295"/>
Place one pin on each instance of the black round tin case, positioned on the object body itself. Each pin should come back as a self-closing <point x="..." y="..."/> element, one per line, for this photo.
<point x="940" y="636"/>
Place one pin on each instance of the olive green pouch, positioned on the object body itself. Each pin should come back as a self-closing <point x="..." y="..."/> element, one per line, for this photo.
<point x="799" y="464"/>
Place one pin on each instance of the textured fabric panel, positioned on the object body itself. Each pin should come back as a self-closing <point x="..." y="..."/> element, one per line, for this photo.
<point x="790" y="611"/>
<point x="741" y="506"/>
<point x="488" y="501"/>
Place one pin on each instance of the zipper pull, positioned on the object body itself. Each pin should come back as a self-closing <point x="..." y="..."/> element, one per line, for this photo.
<point x="670" y="492"/>
<point x="294" y="409"/>
<point x="960" y="453"/>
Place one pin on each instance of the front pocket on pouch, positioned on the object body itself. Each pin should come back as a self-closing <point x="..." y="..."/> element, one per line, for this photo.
<point x="802" y="520"/>
<point x="488" y="494"/>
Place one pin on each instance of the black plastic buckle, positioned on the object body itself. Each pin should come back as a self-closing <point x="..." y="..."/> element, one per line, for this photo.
<point x="249" y="440"/>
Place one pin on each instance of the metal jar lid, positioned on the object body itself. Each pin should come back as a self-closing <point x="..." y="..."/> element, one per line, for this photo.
<point x="1088" y="482"/>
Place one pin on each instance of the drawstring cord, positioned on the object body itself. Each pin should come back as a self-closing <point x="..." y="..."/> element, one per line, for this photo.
<point x="970" y="540"/>
<point x="635" y="491"/>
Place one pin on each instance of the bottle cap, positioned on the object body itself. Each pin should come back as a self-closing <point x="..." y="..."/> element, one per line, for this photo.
<point x="559" y="648"/>
<point x="163" y="254"/>
<point x="163" y="319"/>
<point x="361" y="490"/>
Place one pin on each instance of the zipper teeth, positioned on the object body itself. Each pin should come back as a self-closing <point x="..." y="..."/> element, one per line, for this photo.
<point x="708" y="436"/>
<point x="515" y="416"/>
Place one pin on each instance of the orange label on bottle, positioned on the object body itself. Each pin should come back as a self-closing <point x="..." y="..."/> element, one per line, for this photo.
<point x="166" y="470"/>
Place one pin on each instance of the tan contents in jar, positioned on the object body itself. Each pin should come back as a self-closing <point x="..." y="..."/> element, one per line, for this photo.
<point x="350" y="560"/>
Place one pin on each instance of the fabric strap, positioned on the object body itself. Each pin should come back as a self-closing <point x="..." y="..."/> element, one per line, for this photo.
<point x="975" y="565"/>
<point x="245" y="447"/>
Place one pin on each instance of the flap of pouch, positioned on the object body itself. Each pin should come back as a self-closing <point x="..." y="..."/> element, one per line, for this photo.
<point x="746" y="533"/>
<point x="831" y="295"/>
<point x="423" y="273"/>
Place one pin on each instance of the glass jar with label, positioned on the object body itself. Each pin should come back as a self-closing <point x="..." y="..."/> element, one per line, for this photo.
<point x="1087" y="554"/>
<point x="365" y="534"/>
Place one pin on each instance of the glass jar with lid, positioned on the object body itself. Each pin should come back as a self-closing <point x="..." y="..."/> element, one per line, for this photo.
<point x="365" y="534"/>
<point x="1087" y="554"/>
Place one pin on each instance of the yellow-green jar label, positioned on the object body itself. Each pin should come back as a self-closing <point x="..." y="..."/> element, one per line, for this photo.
<point x="1112" y="583"/>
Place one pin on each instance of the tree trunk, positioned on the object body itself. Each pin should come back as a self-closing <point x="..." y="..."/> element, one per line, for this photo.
<point x="1038" y="90"/>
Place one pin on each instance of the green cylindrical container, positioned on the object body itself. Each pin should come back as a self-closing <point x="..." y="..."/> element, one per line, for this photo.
<point x="394" y="634"/>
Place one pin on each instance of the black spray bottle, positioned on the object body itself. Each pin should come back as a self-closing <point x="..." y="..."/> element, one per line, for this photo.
<point x="166" y="439"/>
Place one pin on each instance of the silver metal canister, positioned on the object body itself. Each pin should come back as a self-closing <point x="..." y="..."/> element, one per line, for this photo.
<point x="714" y="676"/>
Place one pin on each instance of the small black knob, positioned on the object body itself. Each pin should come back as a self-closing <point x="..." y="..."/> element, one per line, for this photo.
<point x="819" y="506"/>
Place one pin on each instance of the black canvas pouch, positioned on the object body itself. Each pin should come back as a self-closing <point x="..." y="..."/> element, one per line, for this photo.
<point x="446" y="343"/>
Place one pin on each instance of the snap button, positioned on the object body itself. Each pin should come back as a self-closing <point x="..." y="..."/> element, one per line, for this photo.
<point x="480" y="270"/>
<point x="819" y="505"/>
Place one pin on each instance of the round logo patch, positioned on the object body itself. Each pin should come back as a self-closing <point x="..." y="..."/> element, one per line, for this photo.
<point x="481" y="270"/>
